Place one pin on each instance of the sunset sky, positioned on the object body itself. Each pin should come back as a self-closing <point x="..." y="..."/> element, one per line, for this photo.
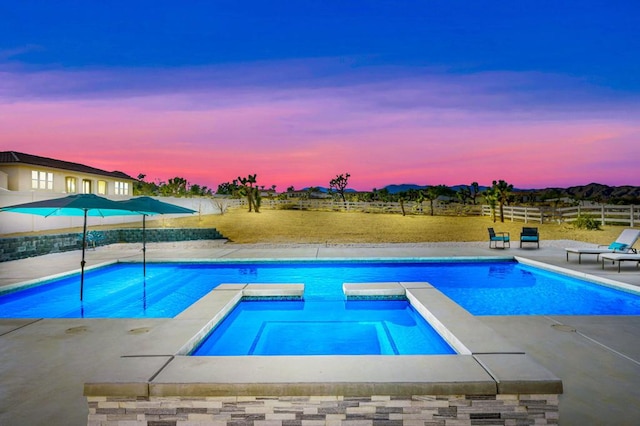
<point x="538" y="93"/>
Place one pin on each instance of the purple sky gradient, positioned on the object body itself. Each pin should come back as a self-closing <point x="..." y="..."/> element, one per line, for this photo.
<point x="299" y="120"/>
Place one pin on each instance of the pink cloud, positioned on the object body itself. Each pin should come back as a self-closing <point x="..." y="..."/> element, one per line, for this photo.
<point x="441" y="130"/>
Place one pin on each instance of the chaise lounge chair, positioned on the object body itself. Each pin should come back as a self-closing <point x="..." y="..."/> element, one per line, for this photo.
<point x="620" y="257"/>
<point x="529" y="235"/>
<point x="623" y="244"/>
<point x="499" y="237"/>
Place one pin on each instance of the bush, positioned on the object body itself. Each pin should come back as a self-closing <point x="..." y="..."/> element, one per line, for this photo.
<point x="584" y="221"/>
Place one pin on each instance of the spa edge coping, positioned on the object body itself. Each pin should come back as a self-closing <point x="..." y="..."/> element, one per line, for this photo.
<point x="159" y="366"/>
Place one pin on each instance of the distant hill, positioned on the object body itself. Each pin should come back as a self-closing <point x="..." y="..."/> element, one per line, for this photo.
<point x="592" y="191"/>
<point x="394" y="189"/>
<point x="595" y="192"/>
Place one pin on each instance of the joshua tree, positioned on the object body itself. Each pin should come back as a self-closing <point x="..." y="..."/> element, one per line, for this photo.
<point x="502" y="191"/>
<point x="252" y="193"/>
<point x="228" y="188"/>
<point x="339" y="184"/>
<point x="380" y="194"/>
<point x="491" y="199"/>
<point x="463" y="194"/>
<point x="474" y="189"/>
<point x="419" y="200"/>
<point x="433" y="192"/>
<point x="141" y="187"/>
<point x="176" y="186"/>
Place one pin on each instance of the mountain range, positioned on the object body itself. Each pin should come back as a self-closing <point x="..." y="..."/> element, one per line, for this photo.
<point x="592" y="191"/>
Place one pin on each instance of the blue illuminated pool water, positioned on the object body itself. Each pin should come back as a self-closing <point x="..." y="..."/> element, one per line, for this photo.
<point x="483" y="288"/>
<point x="324" y="328"/>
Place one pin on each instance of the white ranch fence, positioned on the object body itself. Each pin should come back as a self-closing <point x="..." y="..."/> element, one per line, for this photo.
<point x="410" y="207"/>
<point x="606" y="214"/>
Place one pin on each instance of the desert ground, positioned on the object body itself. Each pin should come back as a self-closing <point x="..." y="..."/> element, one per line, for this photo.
<point x="292" y="226"/>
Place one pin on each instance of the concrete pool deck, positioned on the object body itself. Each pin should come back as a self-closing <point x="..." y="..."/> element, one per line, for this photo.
<point x="45" y="363"/>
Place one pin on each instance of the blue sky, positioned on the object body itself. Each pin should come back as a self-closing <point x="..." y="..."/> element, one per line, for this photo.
<point x="423" y="92"/>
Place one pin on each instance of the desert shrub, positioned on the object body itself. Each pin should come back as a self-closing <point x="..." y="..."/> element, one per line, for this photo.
<point x="584" y="221"/>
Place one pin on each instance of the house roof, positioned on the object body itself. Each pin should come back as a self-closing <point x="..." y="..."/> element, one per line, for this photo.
<point x="13" y="157"/>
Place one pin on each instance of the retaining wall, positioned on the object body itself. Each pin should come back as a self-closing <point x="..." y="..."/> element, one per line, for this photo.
<point x="37" y="245"/>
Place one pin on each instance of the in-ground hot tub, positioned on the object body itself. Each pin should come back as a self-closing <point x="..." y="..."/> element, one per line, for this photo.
<point x="488" y="378"/>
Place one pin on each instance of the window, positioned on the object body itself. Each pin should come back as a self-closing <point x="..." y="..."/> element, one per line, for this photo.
<point x="86" y="186"/>
<point x="41" y="180"/>
<point x="70" y="185"/>
<point x="122" y="188"/>
<point x="102" y="187"/>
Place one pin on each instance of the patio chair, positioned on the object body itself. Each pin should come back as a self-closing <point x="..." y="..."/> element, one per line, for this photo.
<point x="620" y="257"/>
<point x="623" y="244"/>
<point x="502" y="238"/>
<point x="529" y="235"/>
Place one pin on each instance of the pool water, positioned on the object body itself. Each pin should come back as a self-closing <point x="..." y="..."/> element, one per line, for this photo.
<point x="518" y="289"/>
<point x="323" y="328"/>
<point x="482" y="288"/>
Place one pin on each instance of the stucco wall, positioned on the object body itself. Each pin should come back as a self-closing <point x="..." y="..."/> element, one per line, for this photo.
<point x="18" y="222"/>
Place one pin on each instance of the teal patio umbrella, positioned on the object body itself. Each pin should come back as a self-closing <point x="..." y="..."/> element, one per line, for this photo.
<point x="75" y="205"/>
<point x="150" y="206"/>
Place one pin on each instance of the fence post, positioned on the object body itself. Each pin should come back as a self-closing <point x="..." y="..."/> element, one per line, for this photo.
<point x="631" y="218"/>
<point x="526" y="215"/>
<point x="602" y="215"/>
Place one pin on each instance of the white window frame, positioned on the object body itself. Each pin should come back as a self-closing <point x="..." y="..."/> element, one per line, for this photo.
<point x="41" y="180"/>
<point x="121" y="188"/>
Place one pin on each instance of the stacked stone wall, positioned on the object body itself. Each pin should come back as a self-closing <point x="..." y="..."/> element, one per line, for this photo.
<point x="37" y="245"/>
<point x="431" y="410"/>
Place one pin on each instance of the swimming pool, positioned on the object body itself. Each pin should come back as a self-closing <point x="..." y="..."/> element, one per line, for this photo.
<point x="482" y="288"/>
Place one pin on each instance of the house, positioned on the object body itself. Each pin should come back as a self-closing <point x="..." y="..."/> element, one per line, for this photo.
<point x="25" y="172"/>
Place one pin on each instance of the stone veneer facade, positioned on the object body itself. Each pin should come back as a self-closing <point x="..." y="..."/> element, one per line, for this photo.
<point x="430" y="410"/>
<point x="14" y="248"/>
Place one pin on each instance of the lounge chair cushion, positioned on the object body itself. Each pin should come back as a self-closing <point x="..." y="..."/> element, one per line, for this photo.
<point x="618" y="246"/>
<point x="529" y="238"/>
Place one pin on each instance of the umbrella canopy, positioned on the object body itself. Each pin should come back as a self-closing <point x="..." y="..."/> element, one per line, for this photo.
<point x="75" y="205"/>
<point x="149" y="206"/>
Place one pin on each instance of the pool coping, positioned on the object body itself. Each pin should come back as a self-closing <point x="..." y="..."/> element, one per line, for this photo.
<point x="486" y="363"/>
<point x="617" y="285"/>
<point x="10" y="288"/>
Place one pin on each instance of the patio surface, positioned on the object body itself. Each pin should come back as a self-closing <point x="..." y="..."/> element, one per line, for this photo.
<point x="45" y="362"/>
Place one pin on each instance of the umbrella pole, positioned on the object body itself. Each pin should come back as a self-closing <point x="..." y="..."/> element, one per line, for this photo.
<point x="144" y="245"/>
<point x="82" y="263"/>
